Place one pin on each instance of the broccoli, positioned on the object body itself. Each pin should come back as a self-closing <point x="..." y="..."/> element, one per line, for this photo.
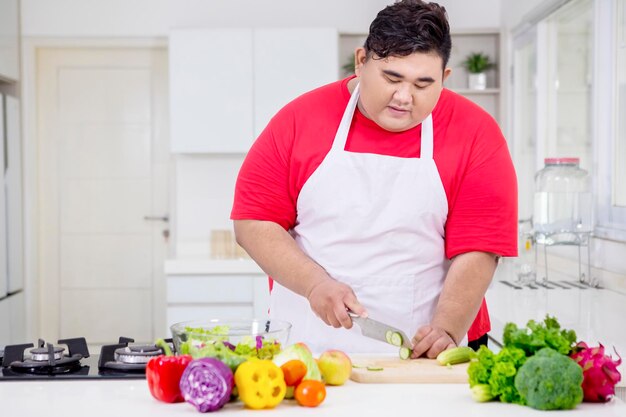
<point x="550" y="381"/>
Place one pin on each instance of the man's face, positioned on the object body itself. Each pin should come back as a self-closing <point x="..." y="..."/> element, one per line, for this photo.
<point x="398" y="93"/>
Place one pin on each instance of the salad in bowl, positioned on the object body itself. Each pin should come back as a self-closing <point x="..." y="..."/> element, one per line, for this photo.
<point x="231" y="340"/>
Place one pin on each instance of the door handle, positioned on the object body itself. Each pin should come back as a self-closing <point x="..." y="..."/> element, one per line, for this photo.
<point x="165" y="218"/>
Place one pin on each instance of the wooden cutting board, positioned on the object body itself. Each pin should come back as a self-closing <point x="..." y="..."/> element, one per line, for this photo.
<point x="398" y="371"/>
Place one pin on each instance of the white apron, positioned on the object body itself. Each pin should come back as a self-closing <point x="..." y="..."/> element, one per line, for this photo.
<point x="375" y="223"/>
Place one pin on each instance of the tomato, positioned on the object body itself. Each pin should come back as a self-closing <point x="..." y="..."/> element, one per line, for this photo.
<point x="310" y="393"/>
<point x="294" y="371"/>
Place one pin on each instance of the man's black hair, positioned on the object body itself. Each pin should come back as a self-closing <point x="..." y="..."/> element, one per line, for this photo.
<point x="410" y="26"/>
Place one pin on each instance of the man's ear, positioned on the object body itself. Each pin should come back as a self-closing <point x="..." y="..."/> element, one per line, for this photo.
<point x="359" y="60"/>
<point x="446" y="73"/>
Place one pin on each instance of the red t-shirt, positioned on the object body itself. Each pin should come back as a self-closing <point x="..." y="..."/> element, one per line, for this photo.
<point x="469" y="150"/>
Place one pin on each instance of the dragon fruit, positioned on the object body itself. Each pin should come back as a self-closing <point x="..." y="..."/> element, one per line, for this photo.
<point x="599" y="372"/>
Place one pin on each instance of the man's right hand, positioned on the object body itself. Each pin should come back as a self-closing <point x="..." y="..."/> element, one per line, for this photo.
<point x="330" y="300"/>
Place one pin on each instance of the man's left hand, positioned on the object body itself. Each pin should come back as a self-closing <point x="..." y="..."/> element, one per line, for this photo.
<point x="429" y="341"/>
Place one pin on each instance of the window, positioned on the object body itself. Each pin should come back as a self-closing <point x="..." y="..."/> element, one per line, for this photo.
<point x="611" y="120"/>
<point x="619" y="190"/>
<point x="569" y="83"/>
<point x="552" y="84"/>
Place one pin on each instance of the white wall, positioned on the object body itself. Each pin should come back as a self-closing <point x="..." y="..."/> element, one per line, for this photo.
<point x="204" y="185"/>
<point x="150" y="18"/>
<point x="513" y="12"/>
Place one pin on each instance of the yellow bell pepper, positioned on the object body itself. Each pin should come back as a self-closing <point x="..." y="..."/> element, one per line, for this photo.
<point x="261" y="384"/>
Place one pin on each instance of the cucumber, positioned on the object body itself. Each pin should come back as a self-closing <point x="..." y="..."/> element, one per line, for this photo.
<point x="455" y="355"/>
<point x="396" y="339"/>
<point x="388" y="335"/>
<point x="405" y="352"/>
<point x="375" y="368"/>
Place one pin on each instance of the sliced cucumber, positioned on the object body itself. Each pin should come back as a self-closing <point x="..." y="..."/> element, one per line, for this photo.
<point x="388" y="335"/>
<point x="396" y="339"/>
<point x="375" y="368"/>
<point x="355" y="366"/>
<point x="405" y="352"/>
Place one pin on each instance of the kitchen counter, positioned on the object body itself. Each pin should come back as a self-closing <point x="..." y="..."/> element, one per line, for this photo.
<point x="110" y="398"/>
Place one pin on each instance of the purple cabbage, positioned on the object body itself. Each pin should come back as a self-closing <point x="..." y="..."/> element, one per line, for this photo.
<point x="259" y="342"/>
<point x="207" y="384"/>
<point x="229" y="345"/>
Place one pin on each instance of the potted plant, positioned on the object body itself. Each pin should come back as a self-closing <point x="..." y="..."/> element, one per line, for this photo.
<point x="476" y="64"/>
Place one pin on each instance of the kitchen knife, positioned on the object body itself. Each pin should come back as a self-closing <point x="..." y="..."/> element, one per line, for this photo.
<point x="377" y="330"/>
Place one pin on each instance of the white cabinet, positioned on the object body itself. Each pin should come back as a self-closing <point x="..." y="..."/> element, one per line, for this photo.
<point x="226" y="84"/>
<point x="211" y="73"/>
<point x="288" y="63"/>
<point x="9" y="40"/>
<point x="13" y="183"/>
<point x="203" y="290"/>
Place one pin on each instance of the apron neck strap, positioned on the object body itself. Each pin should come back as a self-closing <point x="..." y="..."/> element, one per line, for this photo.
<point x="339" y="144"/>
<point x="426" y="144"/>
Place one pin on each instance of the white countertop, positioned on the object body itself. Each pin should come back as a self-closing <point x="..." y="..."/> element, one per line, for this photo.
<point x="597" y="315"/>
<point x="132" y="398"/>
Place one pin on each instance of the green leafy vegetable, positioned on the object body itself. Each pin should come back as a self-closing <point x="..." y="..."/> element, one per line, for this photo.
<point x="214" y="334"/>
<point x="498" y="371"/>
<point x="502" y="381"/>
<point x="539" y="335"/>
<point x="482" y="393"/>
<point x="214" y="350"/>
<point x="213" y="343"/>
<point x="550" y="381"/>
<point x="497" y="376"/>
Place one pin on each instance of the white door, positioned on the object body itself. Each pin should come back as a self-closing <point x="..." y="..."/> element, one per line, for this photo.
<point x="103" y="167"/>
<point x="4" y="283"/>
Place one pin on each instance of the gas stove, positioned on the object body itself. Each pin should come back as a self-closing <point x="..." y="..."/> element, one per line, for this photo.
<point x="123" y="360"/>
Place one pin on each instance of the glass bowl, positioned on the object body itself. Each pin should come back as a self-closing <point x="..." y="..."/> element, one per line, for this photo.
<point x="191" y="336"/>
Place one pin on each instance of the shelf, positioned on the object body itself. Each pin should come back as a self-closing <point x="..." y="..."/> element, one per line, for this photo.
<point x="203" y="266"/>
<point x="467" y="91"/>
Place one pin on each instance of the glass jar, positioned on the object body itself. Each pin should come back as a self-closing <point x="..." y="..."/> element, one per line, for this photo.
<point x="562" y="198"/>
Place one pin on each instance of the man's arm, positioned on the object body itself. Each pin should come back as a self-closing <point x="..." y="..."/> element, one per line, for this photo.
<point x="466" y="283"/>
<point x="279" y="256"/>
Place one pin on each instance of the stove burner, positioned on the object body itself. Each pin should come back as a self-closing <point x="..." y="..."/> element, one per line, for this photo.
<point x="137" y="353"/>
<point x="48" y="359"/>
<point x="145" y="348"/>
<point x="127" y="358"/>
<point x="42" y="354"/>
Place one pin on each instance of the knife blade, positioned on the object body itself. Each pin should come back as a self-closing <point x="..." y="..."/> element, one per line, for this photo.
<point x="377" y="330"/>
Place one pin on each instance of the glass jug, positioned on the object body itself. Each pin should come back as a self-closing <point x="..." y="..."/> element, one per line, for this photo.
<point x="562" y="200"/>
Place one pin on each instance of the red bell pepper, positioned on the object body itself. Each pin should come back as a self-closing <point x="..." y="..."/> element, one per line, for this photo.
<point x="163" y="374"/>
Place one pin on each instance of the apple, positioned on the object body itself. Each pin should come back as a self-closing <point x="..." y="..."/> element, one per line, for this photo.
<point x="335" y="366"/>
